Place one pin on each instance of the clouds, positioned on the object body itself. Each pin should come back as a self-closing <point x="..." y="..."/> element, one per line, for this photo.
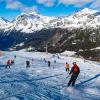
<point x="47" y="3"/>
<point x="96" y="5"/>
<point x="13" y="5"/>
<point x="76" y="3"/>
<point x="17" y="5"/>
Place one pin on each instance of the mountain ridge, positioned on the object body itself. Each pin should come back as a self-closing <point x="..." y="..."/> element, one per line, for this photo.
<point x="31" y="22"/>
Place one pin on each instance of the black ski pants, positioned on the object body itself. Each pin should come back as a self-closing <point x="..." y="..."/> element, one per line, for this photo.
<point x="72" y="79"/>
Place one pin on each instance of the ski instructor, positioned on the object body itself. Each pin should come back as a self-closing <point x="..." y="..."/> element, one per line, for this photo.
<point x="74" y="74"/>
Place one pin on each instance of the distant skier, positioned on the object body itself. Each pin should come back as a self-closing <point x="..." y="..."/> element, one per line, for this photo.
<point x="49" y="63"/>
<point x="58" y="57"/>
<point x="8" y="63"/>
<point x="54" y="61"/>
<point x="44" y="60"/>
<point x="75" y="72"/>
<point x="53" y="56"/>
<point x="27" y="63"/>
<point x="67" y="67"/>
<point x="15" y="56"/>
<point x="12" y="62"/>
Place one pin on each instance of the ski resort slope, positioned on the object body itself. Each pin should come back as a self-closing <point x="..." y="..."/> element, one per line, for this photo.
<point x="39" y="82"/>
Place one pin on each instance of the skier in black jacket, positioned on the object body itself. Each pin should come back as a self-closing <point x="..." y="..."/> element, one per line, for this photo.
<point x="27" y="63"/>
<point x="49" y="63"/>
<point x="75" y="72"/>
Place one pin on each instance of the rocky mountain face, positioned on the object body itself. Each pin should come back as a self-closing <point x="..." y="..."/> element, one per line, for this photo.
<point x="77" y="32"/>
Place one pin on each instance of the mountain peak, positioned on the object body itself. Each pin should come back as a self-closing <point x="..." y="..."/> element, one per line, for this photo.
<point x="30" y="13"/>
<point x="3" y="21"/>
<point x="1" y="18"/>
<point x="88" y="11"/>
<point x="34" y="13"/>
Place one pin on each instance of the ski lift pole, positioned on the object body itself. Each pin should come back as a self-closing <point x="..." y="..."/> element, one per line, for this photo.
<point x="47" y="48"/>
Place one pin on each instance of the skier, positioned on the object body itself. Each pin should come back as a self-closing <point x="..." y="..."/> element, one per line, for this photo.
<point x="15" y="56"/>
<point x="53" y="56"/>
<point x="58" y="57"/>
<point x="12" y="62"/>
<point x="44" y="60"/>
<point x="54" y="61"/>
<point x="8" y="63"/>
<point x="27" y="63"/>
<point x="49" y="63"/>
<point x="75" y="72"/>
<point x="67" y="67"/>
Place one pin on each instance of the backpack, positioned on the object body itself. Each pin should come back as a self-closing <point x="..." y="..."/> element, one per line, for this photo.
<point x="75" y="69"/>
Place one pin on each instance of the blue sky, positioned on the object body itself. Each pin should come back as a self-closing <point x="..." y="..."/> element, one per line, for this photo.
<point x="9" y="9"/>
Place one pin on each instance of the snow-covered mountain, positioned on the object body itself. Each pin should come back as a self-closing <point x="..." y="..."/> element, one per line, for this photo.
<point x="3" y="23"/>
<point x="61" y="33"/>
<point x="32" y="22"/>
<point x="28" y="23"/>
<point x="81" y="19"/>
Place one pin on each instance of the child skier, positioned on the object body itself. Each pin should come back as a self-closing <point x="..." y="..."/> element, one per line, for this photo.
<point x="75" y="72"/>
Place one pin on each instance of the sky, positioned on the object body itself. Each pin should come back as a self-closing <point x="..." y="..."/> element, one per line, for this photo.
<point x="10" y="9"/>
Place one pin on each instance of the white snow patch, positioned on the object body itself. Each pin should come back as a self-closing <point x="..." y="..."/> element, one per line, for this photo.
<point x="97" y="48"/>
<point x="93" y="91"/>
<point x="68" y="53"/>
<point x="21" y="44"/>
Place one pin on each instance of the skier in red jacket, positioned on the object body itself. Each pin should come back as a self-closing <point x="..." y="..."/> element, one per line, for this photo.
<point x="75" y="72"/>
<point x="8" y="63"/>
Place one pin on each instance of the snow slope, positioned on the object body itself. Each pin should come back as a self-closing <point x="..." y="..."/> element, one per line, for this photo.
<point x="42" y="83"/>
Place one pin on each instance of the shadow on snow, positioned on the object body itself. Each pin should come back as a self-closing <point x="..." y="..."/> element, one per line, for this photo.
<point x="88" y="80"/>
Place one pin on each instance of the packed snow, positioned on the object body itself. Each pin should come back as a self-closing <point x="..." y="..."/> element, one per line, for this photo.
<point x="40" y="82"/>
<point x="68" y="53"/>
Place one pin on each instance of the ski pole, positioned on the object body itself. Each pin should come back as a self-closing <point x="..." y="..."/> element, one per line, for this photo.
<point x="68" y="76"/>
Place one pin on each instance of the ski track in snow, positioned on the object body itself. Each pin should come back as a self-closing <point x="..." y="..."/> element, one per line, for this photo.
<point x="39" y="82"/>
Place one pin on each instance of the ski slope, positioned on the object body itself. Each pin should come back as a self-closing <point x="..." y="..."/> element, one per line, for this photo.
<point x="39" y="82"/>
